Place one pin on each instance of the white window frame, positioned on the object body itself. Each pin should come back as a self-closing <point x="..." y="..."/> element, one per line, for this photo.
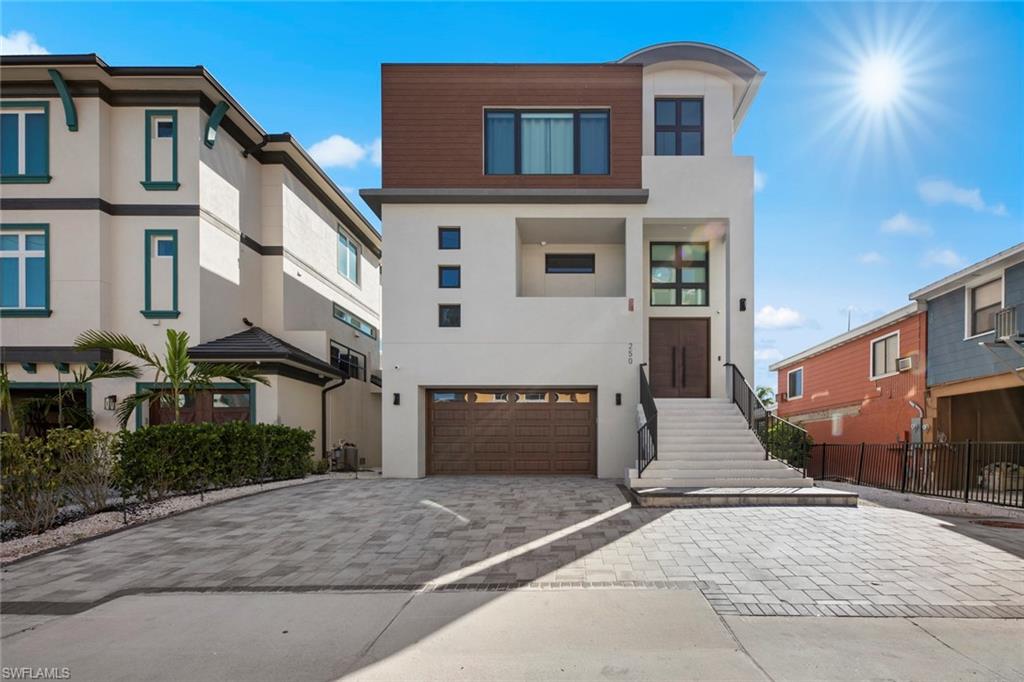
<point x="22" y="254"/>
<point x="794" y="371"/>
<point x="343" y="234"/>
<point x="969" y="311"/>
<point x="21" y="113"/>
<point x="871" y="356"/>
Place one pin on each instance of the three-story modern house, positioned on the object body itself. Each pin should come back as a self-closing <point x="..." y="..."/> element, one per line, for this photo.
<point x="137" y="199"/>
<point x="551" y="228"/>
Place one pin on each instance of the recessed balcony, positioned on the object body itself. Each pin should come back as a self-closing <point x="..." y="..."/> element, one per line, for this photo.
<point x="571" y="257"/>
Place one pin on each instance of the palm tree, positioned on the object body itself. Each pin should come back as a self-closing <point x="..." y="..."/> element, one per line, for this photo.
<point x="174" y="374"/>
<point x="766" y="395"/>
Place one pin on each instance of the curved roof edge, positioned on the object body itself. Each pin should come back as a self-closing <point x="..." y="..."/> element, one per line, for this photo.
<point x="691" y="51"/>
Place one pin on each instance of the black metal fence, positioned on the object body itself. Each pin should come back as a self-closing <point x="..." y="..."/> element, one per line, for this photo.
<point x="647" y="434"/>
<point x="781" y="439"/>
<point x="970" y="471"/>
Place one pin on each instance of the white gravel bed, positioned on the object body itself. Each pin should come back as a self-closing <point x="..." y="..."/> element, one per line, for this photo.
<point x="105" y="522"/>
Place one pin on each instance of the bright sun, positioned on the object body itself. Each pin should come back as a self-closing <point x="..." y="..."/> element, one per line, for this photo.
<point x="880" y="81"/>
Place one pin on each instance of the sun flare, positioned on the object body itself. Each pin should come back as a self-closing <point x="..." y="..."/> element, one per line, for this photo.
<point x="880" y="81"/>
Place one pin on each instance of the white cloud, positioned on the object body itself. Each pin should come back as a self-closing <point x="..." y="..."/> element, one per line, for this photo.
<point x="760" y="179"/>
<point x="871" y="258"/>
<point x="944" y="257"/>
<point x="945" y="192"/>
<point x="770" y="317"/>
<point x="374" y="149"/>
<point x="767" y="354"/>
<point x="20" y="42"/>
<point x="338" y="150"/>
<point x="901" y="223"/>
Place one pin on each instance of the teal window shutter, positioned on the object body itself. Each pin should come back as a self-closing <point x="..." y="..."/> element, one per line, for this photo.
<point x="9" y="144"/>
<point x="36" y="144"/>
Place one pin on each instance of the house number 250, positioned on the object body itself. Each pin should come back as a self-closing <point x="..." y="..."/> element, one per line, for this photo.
<point x="629" y="354"/>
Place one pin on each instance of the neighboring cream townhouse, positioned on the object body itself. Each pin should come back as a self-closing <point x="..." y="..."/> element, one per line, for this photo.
<point x="554" y="228"/>
<point x="137" y="199"/>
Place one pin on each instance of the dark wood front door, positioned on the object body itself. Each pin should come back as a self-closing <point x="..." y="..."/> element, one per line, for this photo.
<point x="679" y="357"/>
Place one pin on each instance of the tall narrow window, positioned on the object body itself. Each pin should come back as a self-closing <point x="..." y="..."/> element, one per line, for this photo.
<point x="795" y="384"/>
<point x="532" y="142"/>
<point x="24" y="270"/>
<point x="679" y="126"/>
<point x="24" y="142"/>
<point x="348" y="257"/>
<point x="679" y="273"/>
<point x="884" y="355"/>
<point x="985" y="301"/>
<point x="161" y="274"/>
<point x="161" y="131"/>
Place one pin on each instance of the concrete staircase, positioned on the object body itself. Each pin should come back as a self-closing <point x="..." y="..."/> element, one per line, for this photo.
<point x="706" y="443"/>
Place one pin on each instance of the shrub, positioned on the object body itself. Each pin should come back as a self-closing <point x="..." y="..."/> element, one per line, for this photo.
<point x="159" y="460"/>
<point x="86" y="460"/>
<point x="30" y="483"/>
<point x="320" y="466"/>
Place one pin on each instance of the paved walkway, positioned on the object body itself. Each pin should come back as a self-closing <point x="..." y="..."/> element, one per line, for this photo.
<point x="444" y="534"/>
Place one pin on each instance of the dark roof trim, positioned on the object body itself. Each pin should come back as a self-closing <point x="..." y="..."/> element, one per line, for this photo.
<point x="41" y="354"/>
<point x="375" y="198"/>
<point x="258" y="345"/>
<point x="693" y="51"/>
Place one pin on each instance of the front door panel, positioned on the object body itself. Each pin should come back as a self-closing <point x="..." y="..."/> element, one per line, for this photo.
<point x="679" y="357"/>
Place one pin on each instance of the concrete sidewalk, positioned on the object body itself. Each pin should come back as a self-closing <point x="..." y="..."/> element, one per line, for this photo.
<point x="478" y="635"/>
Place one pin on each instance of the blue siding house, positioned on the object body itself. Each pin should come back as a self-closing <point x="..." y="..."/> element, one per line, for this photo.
<point x="975" y="371"/>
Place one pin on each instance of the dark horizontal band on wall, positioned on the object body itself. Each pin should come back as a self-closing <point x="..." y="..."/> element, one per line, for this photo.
<point x="260" y="249"/>
<point x="41" y="354"/>
<point x="375" y="198"/>
<point x="96" y="204"/>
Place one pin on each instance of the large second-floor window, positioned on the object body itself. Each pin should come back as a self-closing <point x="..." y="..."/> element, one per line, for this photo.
<point x="24" y="276"/>
<point x="24" y="142"/>
<point x="679" y="126"/>
<point x="679" y="273"/>
<point x="534" y="142"/>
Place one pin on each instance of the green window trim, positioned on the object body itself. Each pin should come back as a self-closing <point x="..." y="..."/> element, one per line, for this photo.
<point x="213" y="123"/>
<point x="45" y="311"/>
<point x="39" y="178"/>
<point x="148" y="312"/>
<point x="224" y="385"/>
<point x="70" y="113"/>
<point x="161" y="185"/>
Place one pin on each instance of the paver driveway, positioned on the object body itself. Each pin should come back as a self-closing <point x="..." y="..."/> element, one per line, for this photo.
<point x="543" y="533"/>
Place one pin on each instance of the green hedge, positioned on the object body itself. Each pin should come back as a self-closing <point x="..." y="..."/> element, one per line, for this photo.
<point x="157" y="461"/>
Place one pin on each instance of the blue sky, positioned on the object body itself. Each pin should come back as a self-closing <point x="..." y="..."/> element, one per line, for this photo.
<point x="855" y="208"/>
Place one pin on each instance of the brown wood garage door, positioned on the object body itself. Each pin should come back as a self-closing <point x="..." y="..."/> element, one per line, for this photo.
<point x="512" y="431"/>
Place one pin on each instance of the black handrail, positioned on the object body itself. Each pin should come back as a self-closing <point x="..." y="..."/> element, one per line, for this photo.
<point x="647" y="434"/>
<point x="781" y="439"/>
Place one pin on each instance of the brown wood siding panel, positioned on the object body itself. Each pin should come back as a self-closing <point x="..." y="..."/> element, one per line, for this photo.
<point x="432" y="120"/>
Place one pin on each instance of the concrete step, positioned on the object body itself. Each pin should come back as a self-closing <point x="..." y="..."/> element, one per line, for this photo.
<point x="725" y="482"/>
<point x="787" y="496"/>
<point x="716" y="464"/>
<point x="731" y="437"/>
<point x="682" y="445"/>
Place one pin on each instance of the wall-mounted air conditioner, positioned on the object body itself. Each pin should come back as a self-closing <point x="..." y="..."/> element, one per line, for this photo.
<point x="905" y="364"/>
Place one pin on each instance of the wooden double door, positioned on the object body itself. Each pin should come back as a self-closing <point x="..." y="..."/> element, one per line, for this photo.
<point x="679" y="358"/>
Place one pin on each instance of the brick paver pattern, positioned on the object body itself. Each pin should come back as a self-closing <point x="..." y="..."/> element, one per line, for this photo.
<point x="543" y="533"/>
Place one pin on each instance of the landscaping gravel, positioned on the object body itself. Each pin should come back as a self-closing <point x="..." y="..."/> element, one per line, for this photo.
<point x="107" y="522"/>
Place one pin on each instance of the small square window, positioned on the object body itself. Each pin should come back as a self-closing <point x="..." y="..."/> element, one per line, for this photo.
<point x="165" y="128"/>
<point x="165" y="247"/>
<point x="449" y="315"/>
<point x="449" y="238"/>
<point x="449" y="276"/>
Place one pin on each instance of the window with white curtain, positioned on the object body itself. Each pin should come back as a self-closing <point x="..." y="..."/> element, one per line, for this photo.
<point x="532" y="142"/>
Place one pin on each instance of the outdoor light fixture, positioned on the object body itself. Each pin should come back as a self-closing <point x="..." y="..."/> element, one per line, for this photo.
<point x="110" y="403"/>
<point x="398" y="399"/>
<point x="618" y="398"/>
<point x="743" y="304"/>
